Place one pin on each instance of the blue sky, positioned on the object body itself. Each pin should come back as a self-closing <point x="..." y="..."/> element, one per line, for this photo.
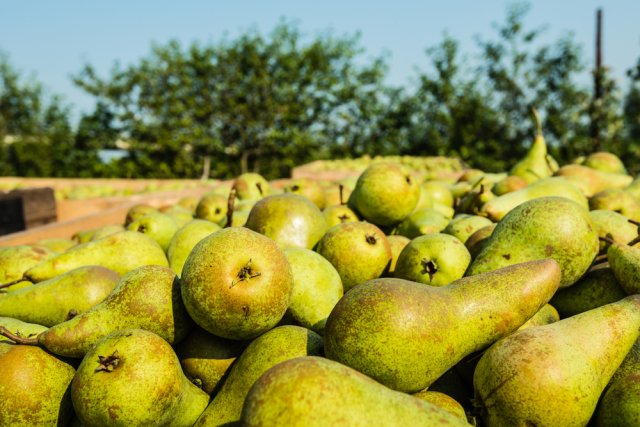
<point x="53" y="39"/>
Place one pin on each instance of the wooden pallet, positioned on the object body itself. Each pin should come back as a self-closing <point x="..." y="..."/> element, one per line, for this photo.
<point x="26" y="209"/>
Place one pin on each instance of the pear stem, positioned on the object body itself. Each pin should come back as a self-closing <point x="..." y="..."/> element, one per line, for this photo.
<point x="634" y="222"/>
<point x="230" y="205"/>
<point x="606" y="239"/>
<point x="341" y="189"/>
<point x="634" y="241"/>
<point x="17" y="338"/>
<point x="538" y="122"/>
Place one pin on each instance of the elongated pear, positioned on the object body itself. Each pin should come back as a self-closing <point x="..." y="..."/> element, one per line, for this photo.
<point x="133" y="378"/>
<point x="15" y="260"/>
<point x="34" y="390"/>
<point x="120" y="252"/>
<point x="405" y="334"/>
<point x="625" y="264"/>
<point x="185" y="239"/>
<point x="146" y="298"/>
<point x="20" y="328"/>
<point x="553" y="375"/>
<point x="60" y="298"/>
<point x="313" y="391"/>
<point x="592" y="181"/>
<point x="546" y="227"/>
<point x="496" y="209"/>
<point x="279" y="344"/>
<point x="534" y="166"/>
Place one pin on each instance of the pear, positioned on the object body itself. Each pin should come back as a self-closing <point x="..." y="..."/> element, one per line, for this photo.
<point x="180" y="215"/>
<point x="313" y="391"/>
<point x="15" y="260"/>
<point x="435" y="192"/>
<point x="185" y="239"/>
<point x="545" y="316"/>
<point x="55" y="300"/>
<point x="56" y="244"/>
<point x="120" y="252"/>
<point x="359" y="251"/>
<point x="546" y="227"/>
<point x="618" y="200"/>
<point x="105" y="230"/>
<point x="620" y="403"/>
<point x="397" y="244"/>
<point x="553" y="375"/>
<point x="212" y="207"/>
<point x="596" y="288"/>
<point x="452" y="384"/>
<point x="476" y="242"/>
<point x="137" y="211"/>
<point x="251" y="186"/>
<point x="205" y="358"/>
<point x="534" y="165"/>
<point x="613" y="226"/>
<point x="406" y="335"/>
<point x="592" y="181"/>
<point x="605" y="162"/>
<point x="275" y="346"/>
<point x="508" y="185"/>
<point x="133" y="377"/>
<point x="157" y="225"/>
<point x="385" y="194"/>
<point x="19" y="328"/>
<point x="190" y="203"/>
<point x="289" y="219"/>
<point x="498" y="207"/>
<point x="308" y="188"/>
<point x="337" y="214"/>
<point x="463" y="226"/>
<point x="147" y="298"/>
<point x="316" y="288"/>
<point x="14" y="286"/>
<point x="625" y="264"/>
<point x="422" y="221"/>
<point x="443" y="401"/>
<point x="237" y="283"/>
<point x="34" y="390"/>
<point x="435" y="259"/>
<point x="472" y="202"/>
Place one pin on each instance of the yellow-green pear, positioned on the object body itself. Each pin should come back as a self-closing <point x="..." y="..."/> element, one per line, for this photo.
<point x="185" y="239"/>
<point x="251" y="186"/>
<point x="613" y="226"/>
<point x="553" y="375"/>
<point x="133" y="377"/>
<point x="56" y="244"/>
<point x="212" y="207"/>
<point x="422" y="221"/>
<point x="405" y="334"/>
<point x="592" y="181"/>
<point x="534" y="166"/>
<point x="19" y="328"/>
<point x="463" y="226"/>
<point x="605" y="162"/>
<point x="15" y="260"/>
<point x="397" y="244"/>
<point x="625" y="264"/>
<point x="337" y="214"/>
<point x="314" y="391"/>
<point x="443" y="401"/>
<point x="120" y="252"/>
<point x="157" y="225"/>
<point x="308" y="188"/>
<point x="508" y="185"/>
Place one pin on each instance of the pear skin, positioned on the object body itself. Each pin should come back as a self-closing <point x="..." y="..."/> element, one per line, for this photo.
<point x="553" y="375"/>
<point x="625" y="264"/>
<point x="443" y="401"/>
<point x="406" y="335"/>
<point x="20" y="328"/>
<point x="279" y="344"/>
<point x="620" y="403"/>
<point x="313" y="391"/>
<point x="15" y="260"/>
<point x="592" y="181"/>
<point x="56" y="300"/>
<point x="185" y="239"/>
<point x="120" y="252"/>
<point x="534" y="165"/>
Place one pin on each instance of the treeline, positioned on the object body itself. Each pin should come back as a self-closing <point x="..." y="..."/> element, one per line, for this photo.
<point x="269" y="103"/>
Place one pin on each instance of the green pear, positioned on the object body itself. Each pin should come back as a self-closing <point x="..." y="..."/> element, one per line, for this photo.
<point x="137" y="211"/>
<point x="147" y="298"/>
<point x="545" y="316"/>
<point x="308" y="188"/>
<point x="157" y="225"/>
<point x="443" y="401"/>
<point x="592" y="181"/>
<point x="434" y="259"/>
<point x="180" y="215"/>
<point x="55" y="300"/>
<point x="133" y="377"/>
<point x="15" y="260"/>
<point x="534" y="166"/>
<point x="105" y="230"/>
<point x="337" y="193"/>
<point x="421" y="222"/>
<point x="497" y="208"/>
<point x="476" y="242"/>
<point x="596" y="288"/>
<point x="275" y="346"/>
<point x="385" y="194"/>
<point x="464" y="225"/>
<point x="452" y="384"/>
<point x="359" y="251"/>
<point x="190" y="203"/>
<point x="406" y="335"/>
<point x="185" y="239"/>
<point x="313" y="391"/>
<point x="337" y="214"/>
<point x="435" y="193"/>
<point x="120" y="252"/>
<point x="605" y="162"/>
<point x="474" y="200"/>
<point x="625" y="264"/>
<point x="553" y="375"/>
<point x="212" y="207"/>
<point x="618" y="200"/>
<point x="620" y="403"/>
<point x="508" y="185"/>
<point x="19" y="328"/>
<point x="397" y="244"/>
<point x="237" y="283"/>
<point x="289" y="219"/>
<point x="34" y="390"/>
<point x="316" y="288"/>
<point x="546" y="227"/>
<point x="205" y="358"/>
<point x="613" y="226"/>
<point x="56" y="244"/>
<point x="251" y="186"/>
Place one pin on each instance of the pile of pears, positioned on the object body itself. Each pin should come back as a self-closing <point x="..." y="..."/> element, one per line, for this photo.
<point x="487" y="299"/>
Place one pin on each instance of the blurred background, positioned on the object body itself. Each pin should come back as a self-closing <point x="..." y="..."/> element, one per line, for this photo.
<point x="197" y="89"/>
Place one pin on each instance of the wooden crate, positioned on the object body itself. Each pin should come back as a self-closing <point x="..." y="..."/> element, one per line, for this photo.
<point x="26" y="209"/>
